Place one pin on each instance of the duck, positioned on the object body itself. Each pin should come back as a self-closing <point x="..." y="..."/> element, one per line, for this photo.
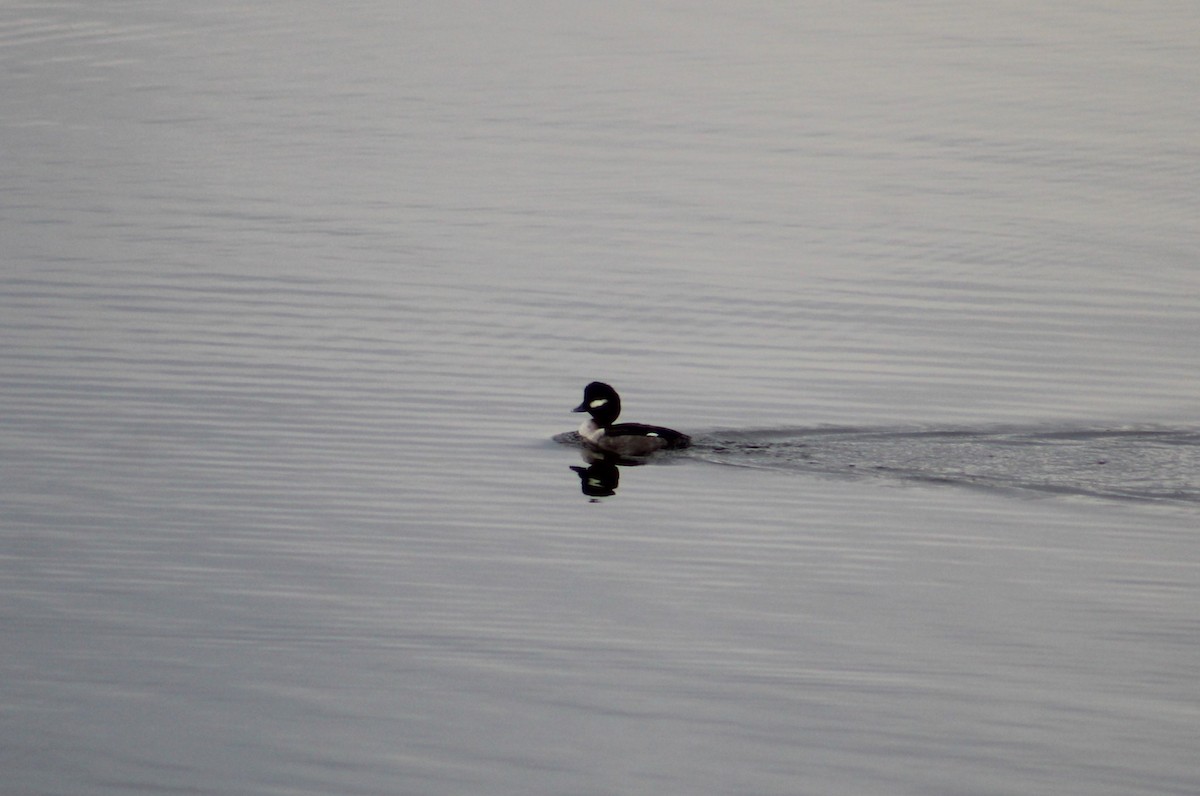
<point x="601" y="433"/>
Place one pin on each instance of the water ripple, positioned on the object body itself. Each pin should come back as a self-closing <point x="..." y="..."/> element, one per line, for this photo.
<point x="1150" y="465"/>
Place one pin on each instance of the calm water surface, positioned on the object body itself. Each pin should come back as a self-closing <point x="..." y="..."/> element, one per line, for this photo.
<point x="297" y="297"/>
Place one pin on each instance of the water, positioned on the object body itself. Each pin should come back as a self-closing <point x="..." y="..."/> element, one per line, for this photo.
<point x="296" y="299"/>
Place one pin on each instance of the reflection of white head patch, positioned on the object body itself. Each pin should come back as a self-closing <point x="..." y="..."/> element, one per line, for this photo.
<point x="599" y="402"/>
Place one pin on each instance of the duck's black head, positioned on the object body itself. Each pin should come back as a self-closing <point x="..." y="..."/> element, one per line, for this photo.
<point x="601" y="402"/>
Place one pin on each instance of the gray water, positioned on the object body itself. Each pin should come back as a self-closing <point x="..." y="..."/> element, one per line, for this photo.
<point x="296" y="298"/>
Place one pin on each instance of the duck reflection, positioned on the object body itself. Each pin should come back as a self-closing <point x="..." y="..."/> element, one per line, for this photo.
<point x="602" y="475"/>
<point x="598" y="480"/>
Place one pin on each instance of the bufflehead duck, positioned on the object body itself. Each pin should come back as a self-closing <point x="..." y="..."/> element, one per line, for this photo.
<point x="624" y="439"/>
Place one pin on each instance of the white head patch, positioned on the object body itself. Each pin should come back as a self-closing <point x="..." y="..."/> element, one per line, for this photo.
<point x="599" y="402"/>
